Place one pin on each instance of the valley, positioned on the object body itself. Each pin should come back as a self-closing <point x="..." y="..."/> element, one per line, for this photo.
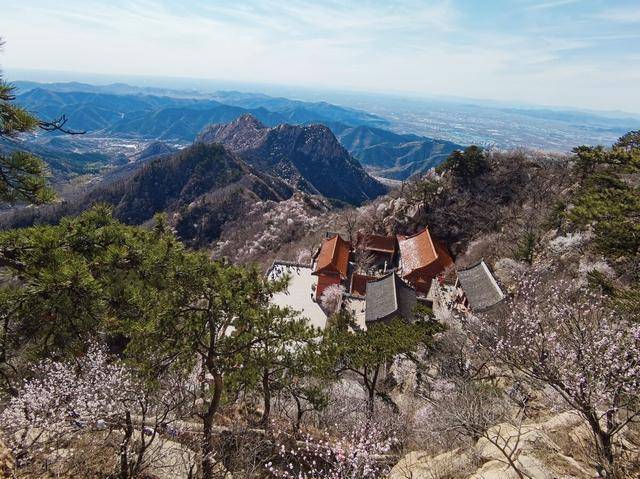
<point x="120" y="120"/>
<point x="325" y="271"/>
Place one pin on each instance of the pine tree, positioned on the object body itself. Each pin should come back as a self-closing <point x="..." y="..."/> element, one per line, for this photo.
<point x="22" y="175"/>
<point x="465" y="165"/>
<point x="366" y="353"/>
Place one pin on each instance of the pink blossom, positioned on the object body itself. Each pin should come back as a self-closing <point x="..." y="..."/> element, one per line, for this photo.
<point x="355" y="456"/>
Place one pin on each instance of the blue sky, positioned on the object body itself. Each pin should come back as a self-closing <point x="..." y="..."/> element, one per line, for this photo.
<point x="581" y="53"/>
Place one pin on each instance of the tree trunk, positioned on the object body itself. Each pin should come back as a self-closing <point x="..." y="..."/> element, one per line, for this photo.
<point x="371" y="401"/>
<point x="371" y="388"/>
<point x="606" y="449"/>
<point x="144" y="444"/>
<point x="299" y="413"/>
<point x="603" y="441"/>
<point x="124" y="447"/>
<point x="208" y="448"/>
<point x="266" y="390"/>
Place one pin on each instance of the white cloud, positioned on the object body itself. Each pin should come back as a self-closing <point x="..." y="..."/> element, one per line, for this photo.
<point x="550" y="4"/>
<point x="429" y="47"/>
<point x="621" y="15"/>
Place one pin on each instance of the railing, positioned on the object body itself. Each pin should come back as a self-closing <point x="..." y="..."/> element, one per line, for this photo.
<point x="295" y="264"/>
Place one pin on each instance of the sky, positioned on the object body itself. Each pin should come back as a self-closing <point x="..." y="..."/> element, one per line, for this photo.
<point x="576" y="53"/>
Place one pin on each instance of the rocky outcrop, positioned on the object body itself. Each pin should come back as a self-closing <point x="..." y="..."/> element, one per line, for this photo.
<point x="308" y="158"/>
<point x="536" y="454"/>
<point x="418" y="465"/>
<point x="544" y="450"/>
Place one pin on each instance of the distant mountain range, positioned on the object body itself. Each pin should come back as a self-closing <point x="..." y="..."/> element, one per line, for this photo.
<point x="392" y="155"/>
<point x="301" y="112"/>
<point x="182" y="123"/>
<point x="121" y="111"/>
<point x="463" y="121"/>
<point x="175" y="118"/>
<point x="135" y="116"/>
<point x="112" y="88"/>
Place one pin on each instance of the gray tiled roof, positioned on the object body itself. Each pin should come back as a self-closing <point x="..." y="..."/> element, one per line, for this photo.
<point x="480" y="287"/>
<point x="387" y="297"/>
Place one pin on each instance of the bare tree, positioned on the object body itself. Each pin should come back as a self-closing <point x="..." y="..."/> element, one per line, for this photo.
<point x="473" y="410"/>
<point x="349" y="221"/>
<point x="364" y="260"/>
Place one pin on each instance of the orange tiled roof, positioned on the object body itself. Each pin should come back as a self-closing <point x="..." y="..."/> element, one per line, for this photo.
<point x="419" y="251"/>
<point x="333" y="256"/>
<point x="385" y="244"/>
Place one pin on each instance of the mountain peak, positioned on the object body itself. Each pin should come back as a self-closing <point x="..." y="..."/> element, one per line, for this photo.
<point x="309" y="158"/>
<point x="248" y="120"/>
<point x="243" y="133"/>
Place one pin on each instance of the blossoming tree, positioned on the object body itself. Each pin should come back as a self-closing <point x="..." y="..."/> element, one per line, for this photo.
<point x="358" y="455"/>
<point x="331" y="298"/>
<point x="572" y="342"/>
<point x="95" y="403"/>
<point x="65" y="399"/>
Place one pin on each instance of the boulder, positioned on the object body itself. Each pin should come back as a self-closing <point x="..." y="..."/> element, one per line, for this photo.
<point x="497" y="470"/>
<point x="6" y="462"/>
<point x="535" y="453"/>
<point x="419" y="465"/>
<point x="415" y="212"/>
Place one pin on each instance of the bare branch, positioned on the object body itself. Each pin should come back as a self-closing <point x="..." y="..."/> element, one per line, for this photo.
<point x="58" y="124"/>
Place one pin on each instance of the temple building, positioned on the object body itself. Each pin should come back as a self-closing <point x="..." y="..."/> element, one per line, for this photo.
<point x="331" y="264"/>
<point x="358" y="284"/>
<point x="422" y="259"/>
<point x="382" y="249"/>
<point x="388" y="298"/>
<point x="479" y="290"/>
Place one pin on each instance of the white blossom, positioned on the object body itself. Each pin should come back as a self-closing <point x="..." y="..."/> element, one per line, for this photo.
<point x="331" y="298"/>
<point x="67" y="396"/>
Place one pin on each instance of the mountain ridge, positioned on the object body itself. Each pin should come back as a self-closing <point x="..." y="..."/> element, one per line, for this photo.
<point x="115" y="112"/>
<point x="308" y="158"/>
<point x="393" y="155"/>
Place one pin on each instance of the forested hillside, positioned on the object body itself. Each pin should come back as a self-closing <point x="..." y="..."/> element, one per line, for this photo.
<point x="476" y="394"/>
<point x="142" y="339"/>
<point x="391" y="155"/>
